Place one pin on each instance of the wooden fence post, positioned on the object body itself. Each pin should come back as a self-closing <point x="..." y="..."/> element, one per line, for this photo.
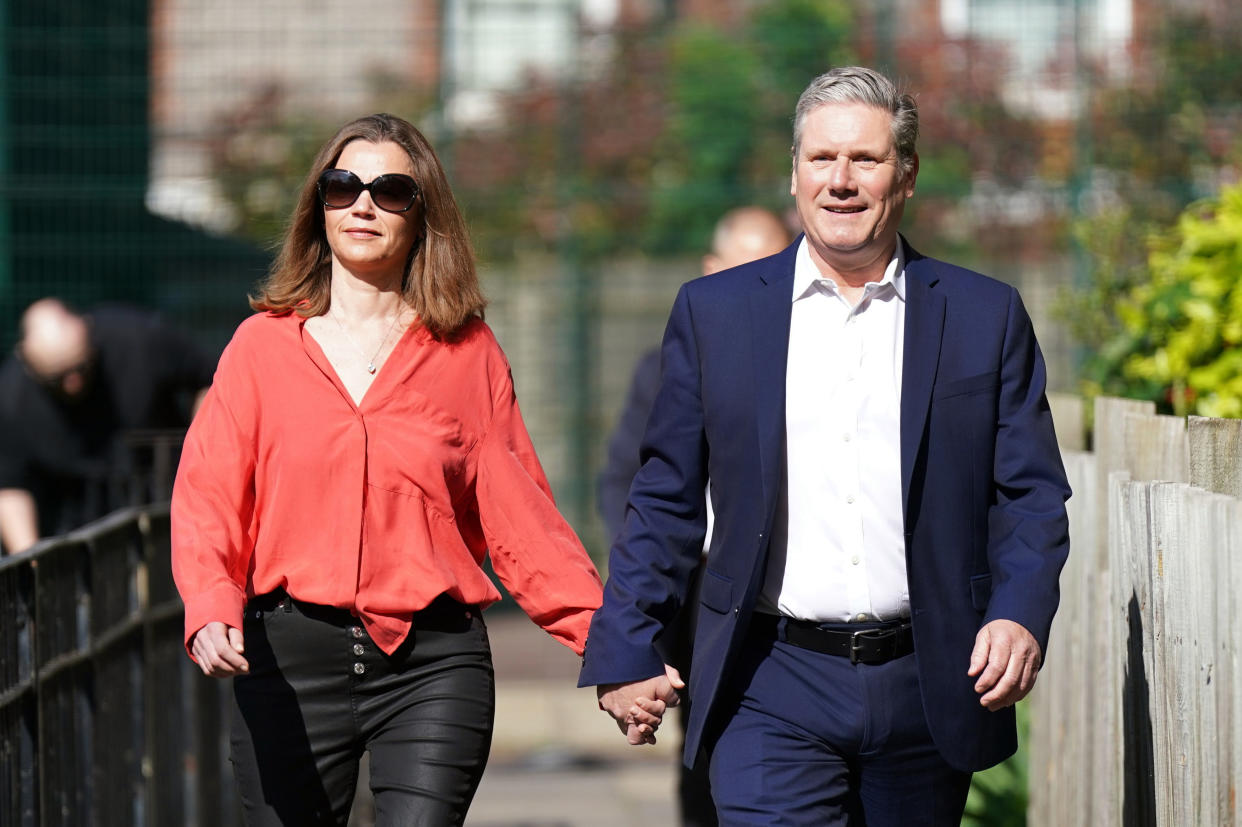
<point x="1059" y="740"/>
<point x="1216" y="465"/>
<point x="1103" y="620"/>
<point x="1156" y="447"/>
<point x="1069" y="417"/>
<point x="1216" y="454"/>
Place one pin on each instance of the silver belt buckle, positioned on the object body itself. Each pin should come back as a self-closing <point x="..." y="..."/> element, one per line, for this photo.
<point x="867" y="634"/>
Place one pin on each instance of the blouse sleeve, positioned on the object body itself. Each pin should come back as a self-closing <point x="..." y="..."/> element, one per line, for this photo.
<point x="213" y="502"/>
<point x="534" y="551"/>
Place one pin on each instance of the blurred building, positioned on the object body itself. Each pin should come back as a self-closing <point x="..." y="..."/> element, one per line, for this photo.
<point x="219" y="66"/>
<point x="1047" y="42"/>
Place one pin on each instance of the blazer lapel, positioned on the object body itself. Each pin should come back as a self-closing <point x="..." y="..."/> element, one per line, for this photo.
<point x="770" y="307"/>
<point x="920" y="359"/>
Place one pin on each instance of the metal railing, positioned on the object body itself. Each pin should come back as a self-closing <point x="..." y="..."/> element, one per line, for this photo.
<point x="103" y="718"/>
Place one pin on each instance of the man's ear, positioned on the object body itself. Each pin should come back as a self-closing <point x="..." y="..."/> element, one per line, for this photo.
<point x="912" y="176"/>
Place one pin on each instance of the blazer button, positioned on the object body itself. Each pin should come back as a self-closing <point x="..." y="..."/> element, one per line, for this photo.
<point x="737" y="610"/>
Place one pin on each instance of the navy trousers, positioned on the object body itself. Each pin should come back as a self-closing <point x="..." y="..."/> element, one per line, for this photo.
<point x="811" y="740"/>
<point x="320" y="692"/>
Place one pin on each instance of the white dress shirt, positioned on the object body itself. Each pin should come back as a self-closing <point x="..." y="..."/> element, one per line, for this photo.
<point x="838" y="545"/>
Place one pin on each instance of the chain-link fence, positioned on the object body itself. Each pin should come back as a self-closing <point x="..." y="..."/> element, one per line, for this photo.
<point x="150" y="150"/>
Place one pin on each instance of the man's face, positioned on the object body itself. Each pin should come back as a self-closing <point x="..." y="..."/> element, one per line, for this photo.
<point x="58" y="354"/>
<point x="849" y="192"/>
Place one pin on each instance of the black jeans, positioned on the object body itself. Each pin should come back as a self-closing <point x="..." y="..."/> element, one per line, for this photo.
<point x="320" y="692"/>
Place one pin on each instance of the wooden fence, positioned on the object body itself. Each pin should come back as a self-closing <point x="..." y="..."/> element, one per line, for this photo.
<point x="1137" y="715"/>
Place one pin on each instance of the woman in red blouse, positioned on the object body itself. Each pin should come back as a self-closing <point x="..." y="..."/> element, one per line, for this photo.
<point x="359" y="453"/>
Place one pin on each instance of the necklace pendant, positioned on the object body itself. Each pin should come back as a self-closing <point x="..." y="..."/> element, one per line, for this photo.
<point x="370" y="367"/>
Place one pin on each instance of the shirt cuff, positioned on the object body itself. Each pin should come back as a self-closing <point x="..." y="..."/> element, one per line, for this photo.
<point x="225" y="603"/>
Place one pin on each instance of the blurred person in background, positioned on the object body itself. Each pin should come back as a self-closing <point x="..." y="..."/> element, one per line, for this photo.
<point x="75" y="384"/>
<point x="743" y="234"/>
<point x="359" y="453"/>
<point x="890" y="521"/>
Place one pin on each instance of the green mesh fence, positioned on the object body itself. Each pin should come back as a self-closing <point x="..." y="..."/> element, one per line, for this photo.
<point x="149" y="151"/>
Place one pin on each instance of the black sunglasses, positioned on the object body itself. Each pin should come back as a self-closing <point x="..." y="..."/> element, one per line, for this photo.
<point x="392" y="191"/>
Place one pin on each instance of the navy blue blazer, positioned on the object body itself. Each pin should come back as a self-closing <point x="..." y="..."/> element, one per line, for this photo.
<point x="983" y="483"/>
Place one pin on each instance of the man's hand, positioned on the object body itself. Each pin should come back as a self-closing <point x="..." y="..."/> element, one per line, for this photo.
<point x="19" y="520"/>
<point x="639" y="707"/>
<point x="218" y="649"/>
<point x="1006" y="659"/>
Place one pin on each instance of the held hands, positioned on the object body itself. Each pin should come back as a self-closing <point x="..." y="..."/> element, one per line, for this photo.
<point x="218" y="649"/>
<point x="638" y="707"/>
<point x="1006" y="660"/>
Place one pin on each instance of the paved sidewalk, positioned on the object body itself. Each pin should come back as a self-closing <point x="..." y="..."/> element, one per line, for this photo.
<point x="557" y="761"/>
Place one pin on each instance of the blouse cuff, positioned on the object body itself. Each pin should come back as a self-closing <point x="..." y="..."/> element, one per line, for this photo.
<point x="225" y="603"/>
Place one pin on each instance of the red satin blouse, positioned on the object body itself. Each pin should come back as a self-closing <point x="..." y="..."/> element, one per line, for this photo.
<point x="379" y="507"/>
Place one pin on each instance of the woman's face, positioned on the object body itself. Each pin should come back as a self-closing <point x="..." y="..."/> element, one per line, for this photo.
<point x="365" y="239"/>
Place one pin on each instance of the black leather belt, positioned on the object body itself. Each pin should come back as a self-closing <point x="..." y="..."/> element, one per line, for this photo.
<point x="870" y="644"/>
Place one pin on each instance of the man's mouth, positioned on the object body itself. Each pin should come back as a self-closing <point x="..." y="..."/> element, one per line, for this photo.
<point x="845" y="210"/>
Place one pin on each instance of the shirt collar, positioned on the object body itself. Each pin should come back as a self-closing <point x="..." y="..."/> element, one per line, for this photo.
<point x="806" y="274"/>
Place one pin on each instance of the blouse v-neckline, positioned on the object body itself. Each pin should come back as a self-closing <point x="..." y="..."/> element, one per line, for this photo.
<point x="317" y="354"/>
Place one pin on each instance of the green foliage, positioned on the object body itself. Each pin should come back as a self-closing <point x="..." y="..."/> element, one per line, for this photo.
<point x="260" y="167"/>
<point x="711" y="134"/>
<point x="796" y="40"/>
<point x="1171" y="330"/>
<point x="1164" y="130"/>
<point x="264" y="151"/>
<point x="998" y="797"/>
<point x="730" y="97"/>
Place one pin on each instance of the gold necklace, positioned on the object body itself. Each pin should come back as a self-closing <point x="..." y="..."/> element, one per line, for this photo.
<point x="371" y="368"/>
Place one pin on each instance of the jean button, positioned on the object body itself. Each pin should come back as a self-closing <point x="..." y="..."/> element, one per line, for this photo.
<point x="359" y="649"/>
<point x="359" y="669"/>
<point x="356" y="631"/>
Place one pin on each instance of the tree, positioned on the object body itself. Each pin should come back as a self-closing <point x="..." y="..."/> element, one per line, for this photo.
<point x="644" y="152"/>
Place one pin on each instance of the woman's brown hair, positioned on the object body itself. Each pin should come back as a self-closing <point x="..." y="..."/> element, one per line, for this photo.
<point x="440" y="280"/>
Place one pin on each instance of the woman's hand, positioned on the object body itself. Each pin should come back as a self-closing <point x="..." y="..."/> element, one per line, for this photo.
<point x="218" y="650"/>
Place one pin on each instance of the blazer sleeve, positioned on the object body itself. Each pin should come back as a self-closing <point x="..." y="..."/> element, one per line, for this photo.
<point x="661" y="540"/>
<point x="213" y="500"/>
<point x="1028" y="531"/>
<point x="534" y="551"/>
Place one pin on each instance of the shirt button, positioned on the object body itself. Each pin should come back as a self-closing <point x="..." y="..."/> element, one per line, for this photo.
<point x="359" y="669"/>
<point x="356" y="631"/>
<point x="854" y="559"/>
<point x="846" y="437"/>
<point x="849" y="500"/>
<point x="860" y="617"/>
<point x="359" y="649"/>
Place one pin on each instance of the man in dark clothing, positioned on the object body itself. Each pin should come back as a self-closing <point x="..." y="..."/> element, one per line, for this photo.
<point x="742" y="234"/>
<point x="73" y="387"/>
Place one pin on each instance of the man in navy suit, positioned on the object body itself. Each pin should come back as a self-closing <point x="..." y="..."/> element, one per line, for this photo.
<point x="889" y="504"/>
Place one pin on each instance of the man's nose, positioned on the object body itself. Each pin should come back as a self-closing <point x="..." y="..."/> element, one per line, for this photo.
<point x="841" y="174"/>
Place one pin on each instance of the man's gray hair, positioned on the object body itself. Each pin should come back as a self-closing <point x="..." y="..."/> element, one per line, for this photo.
<point x="858" y="84"/>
